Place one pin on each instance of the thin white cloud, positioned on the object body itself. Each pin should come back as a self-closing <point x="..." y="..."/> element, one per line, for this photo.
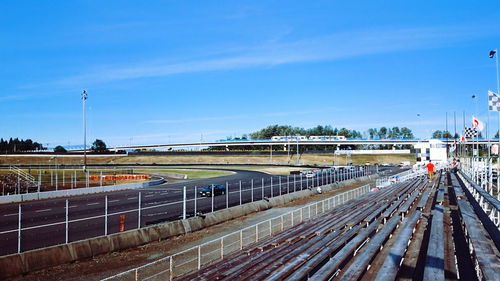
<point x="341" y="45"/>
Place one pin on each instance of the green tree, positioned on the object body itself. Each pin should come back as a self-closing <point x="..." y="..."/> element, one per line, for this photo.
<point x="60" y="149"/>
<point x="438" y="134"/>
<point x="382" y="133"/>
<point x="406" y="133"/>
<point x="99" y="146"/>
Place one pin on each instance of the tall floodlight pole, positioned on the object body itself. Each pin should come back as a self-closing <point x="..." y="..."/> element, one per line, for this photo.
<point x="84" y="99"/>
<point x="494" y="53"/>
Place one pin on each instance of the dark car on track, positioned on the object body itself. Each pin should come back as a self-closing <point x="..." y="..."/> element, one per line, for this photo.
<point x="218" y="189"/>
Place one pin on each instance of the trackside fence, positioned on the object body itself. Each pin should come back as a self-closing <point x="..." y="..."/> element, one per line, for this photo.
<point x="194" y="258"/>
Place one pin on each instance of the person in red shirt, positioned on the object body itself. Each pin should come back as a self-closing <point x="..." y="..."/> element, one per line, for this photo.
<point x="430" y="170"/>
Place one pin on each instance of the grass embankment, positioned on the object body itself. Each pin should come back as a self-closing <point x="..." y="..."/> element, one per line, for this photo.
<point x="305" y="159"/>
<point x="190" y="173"/>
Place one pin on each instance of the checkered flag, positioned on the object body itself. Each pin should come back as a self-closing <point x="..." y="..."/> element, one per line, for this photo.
<point x="470" y="133"/>
<point x="493" y="101"/>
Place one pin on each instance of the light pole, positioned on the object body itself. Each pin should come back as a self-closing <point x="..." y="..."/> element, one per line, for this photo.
<point x="84" y="99"/>
<point x="494" y="53"/>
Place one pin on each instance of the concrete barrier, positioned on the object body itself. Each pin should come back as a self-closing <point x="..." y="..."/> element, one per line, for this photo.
<point x="77" y="191"/>
<point x="17" y="264"/>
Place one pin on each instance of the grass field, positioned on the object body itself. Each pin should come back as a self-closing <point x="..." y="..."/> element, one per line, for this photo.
<point x="190" y="173"/>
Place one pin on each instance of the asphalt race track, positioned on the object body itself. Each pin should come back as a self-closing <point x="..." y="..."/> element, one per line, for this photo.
<point x="43" y="223"/>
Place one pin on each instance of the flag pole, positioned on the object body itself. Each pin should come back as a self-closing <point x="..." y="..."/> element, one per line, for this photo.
<point x="498" y="155"/>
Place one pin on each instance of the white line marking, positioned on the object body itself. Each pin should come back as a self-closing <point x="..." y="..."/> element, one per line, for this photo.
<point x="8" y="215"/>
<point x="116" y="200"/>
<point x="90" y="204"/>
<point x="131" y="198"/>
<point x="44" y="210"/>
<point x="149" y="195"/>
<point x="73" y="206"/>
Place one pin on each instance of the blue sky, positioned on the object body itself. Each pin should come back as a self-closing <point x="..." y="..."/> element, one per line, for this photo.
<point x="175" y="71"/>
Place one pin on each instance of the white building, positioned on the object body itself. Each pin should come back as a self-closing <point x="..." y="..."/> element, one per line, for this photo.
<point x="433" y="150"/>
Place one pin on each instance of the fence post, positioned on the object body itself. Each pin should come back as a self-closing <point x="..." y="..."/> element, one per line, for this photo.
<point x="280" y="184"/>
<point x="67" y="223"/>
<point x="240" y="192"/>
<point x="64" y="180"/>
<point x="252" y="189"/>
<point x="222" y="248"/>
<point x="199" y="257"/>
<point x="39" y="179"/>
<point x="212" y="195"/>
<point x="300" y="181"/>
<point x="184" y="203"/>
<point x="294" y="189"/>
<point x="271" y="186"/>
<point x="139" y="212"/>
<point x="171" y="267"/>
<point x="195" y="203"/>
<point x="257" y="233"/>
<point x="106" y="215"/>
<point x="262" y="188"/>
<point x="227" y="195"/>
<point x="19" y="230"/>
<point x="100" y="179"/>
<point x="241" y="240"/>
<point x="288" y="184"/>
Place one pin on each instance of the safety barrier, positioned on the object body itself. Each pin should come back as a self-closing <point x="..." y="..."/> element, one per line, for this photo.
<point x="77" y="191"/>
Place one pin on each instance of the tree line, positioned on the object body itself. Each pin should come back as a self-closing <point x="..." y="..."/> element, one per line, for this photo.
<point x="277" y="130"/>
<point x="19" y="145"/>
<point x="286" y="130"/>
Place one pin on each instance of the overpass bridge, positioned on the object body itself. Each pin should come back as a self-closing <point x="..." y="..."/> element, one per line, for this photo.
<point x="285" y="143"/>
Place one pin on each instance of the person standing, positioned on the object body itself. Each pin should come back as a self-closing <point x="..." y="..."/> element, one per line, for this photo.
<point x="430" y="170"/>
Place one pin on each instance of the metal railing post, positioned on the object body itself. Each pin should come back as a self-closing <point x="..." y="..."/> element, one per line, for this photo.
<point x="139" y="211"/>
<point x="184" y="203"/>
<point x="19" y="229"/>
<point x="106" y="215"/>
<point x="262" y="189"/>
<point x="271" y="186"/>
<point x="195" y="203"/>
<point x="67" y="221"/>
<point x="251" y="188"/>
<point x="280" y="184"/>
<point x="227" y="195"/>
<point x="212" y="195"/>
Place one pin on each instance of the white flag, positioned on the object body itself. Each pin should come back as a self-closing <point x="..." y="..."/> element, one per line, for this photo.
<point x="477" y="124"/>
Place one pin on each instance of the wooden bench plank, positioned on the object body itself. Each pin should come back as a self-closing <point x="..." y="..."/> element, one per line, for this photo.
<point x="334" y="263"/>
<point x="423" y="200"/>
<point x="434" y="261"/>
<point x="361" y="261"/>
<point x="390" y="267"/>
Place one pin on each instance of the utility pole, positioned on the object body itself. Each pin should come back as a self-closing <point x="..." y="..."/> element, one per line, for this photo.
<point x="84" y="99"/>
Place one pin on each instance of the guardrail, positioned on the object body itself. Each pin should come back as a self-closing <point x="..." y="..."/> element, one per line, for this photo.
<point x="77" y="191"/>
<point x="181" y="263"/>
<point x="489" y="204"/>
